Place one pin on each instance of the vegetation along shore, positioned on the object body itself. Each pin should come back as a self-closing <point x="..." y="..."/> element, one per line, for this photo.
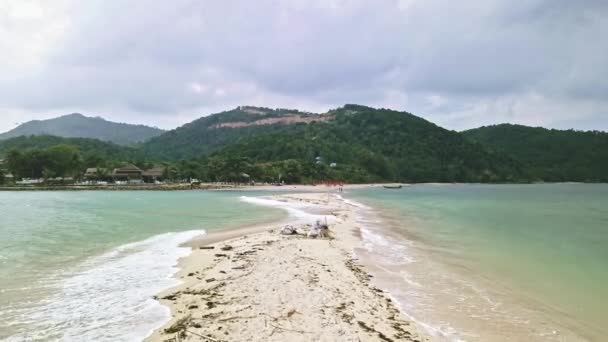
<point x="351" y="144"/>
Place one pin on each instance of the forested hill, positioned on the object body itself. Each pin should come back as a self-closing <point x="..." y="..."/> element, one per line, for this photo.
<point x="351" y="144"/>
<point x="80" y="126"/>
<point x="549" y="154"/>
<point x="365" y="143"/>
<point x="209" y="133"/>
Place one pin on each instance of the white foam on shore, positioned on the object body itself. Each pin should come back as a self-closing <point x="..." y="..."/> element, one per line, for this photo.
<point x="388" y="251"/>
<point x="296" y="210"/>
<point x="350" y="202"/>
<point x="391" y="251"/>
<point x="110" y="297"/>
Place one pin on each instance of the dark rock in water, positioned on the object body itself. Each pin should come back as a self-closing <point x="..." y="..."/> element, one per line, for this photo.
<point x="226" y="248"/>
<point x="206" y="247"/>
<point x="221" y="255"/>
<point x="191" y="307"/>
<point x="190" y="274"/>
<point x="210" y="280"/>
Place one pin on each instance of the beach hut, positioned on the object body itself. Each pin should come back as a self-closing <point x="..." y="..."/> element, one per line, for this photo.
<point x="93" y="173"/>
<point x="129" y="172"/>
<point x="154" y="174"/>
<point x="9" y="178"/>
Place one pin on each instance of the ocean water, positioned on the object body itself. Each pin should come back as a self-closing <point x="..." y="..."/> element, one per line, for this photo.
<point x="493" y="262"/>
<point x="83" y="266"/>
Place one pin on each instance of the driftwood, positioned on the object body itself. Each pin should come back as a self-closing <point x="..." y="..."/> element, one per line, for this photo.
<point x="179" y="326"/>
<point x="202" y="336"/>
<point x="294" y="330"/>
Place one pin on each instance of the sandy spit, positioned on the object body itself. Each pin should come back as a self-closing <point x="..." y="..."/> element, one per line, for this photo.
<point x="263" y="286"/>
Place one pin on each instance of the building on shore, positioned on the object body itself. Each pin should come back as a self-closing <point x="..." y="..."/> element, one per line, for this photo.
<point x="155" y="174"/>
<point x="128" y="173"/>
<point x="96" y="173"/>
<point x="8" y="178"/>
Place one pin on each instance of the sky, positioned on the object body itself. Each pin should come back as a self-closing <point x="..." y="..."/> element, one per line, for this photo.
<point x="460" y="64"/>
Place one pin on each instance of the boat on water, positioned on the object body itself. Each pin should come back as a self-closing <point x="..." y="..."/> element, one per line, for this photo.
<point x="393" y="186"/>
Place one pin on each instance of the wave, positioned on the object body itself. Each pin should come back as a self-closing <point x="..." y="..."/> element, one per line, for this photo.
<point x="296" y="210"/>
<point x="351" y="202"/>
<point x="392" y="257"/>
<point x="110" y="297"/>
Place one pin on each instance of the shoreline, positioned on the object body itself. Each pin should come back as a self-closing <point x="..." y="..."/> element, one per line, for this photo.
<point x="257" y="285"/>
<point x="188" y="187"/>
<point x="231" y="187"/>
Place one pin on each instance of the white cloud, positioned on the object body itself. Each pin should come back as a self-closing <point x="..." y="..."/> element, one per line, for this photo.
<point x="198" y="88"/>
<point x="28" y="31"/>
<point x="460" y="64"/>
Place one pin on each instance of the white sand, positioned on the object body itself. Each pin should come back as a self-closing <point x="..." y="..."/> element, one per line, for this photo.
<point x="268" y="287"/>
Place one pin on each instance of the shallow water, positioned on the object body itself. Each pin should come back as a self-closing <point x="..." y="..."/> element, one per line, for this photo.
<point x="85" y="265"/>
<point x="494" y="262"/>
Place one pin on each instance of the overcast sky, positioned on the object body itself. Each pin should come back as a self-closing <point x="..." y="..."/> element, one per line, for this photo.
<point x="460" y="64"/>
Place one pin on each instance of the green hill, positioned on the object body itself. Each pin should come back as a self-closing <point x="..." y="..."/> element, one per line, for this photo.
<point x="549" y="154"/>
<point x="377" y="145"/>
<point x="210" y="133"/>
<point x="352" y="143"/>
<point x="80" y="126"/>
<point x="365" y="143"/>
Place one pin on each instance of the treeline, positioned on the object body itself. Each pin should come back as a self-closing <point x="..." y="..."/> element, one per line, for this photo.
<point x="359" y="144"/>
<point x="548" y="154"/>
<point x="65" y="161"/>
<point x="90" y="149"/>
<point x="237" y="169"/>
<point x="57" y="161"/>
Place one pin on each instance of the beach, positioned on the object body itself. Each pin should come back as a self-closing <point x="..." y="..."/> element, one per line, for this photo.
<point x="429" y="262"/>
<point x="258" y="285"/>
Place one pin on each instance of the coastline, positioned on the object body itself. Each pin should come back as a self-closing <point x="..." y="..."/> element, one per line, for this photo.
<point x="257" y="285"/>
<point x="188" y="187"/>
<point x="232" y="187"/>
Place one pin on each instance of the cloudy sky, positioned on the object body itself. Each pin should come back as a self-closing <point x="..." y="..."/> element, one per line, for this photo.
<point x="460" y="64"/>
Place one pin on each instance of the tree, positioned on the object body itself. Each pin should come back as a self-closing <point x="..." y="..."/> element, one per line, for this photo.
<point x="64" y="160"/>
<point x="47" y="174"/>
<point x="103" y="174"/>
<point x="15" y="163"/>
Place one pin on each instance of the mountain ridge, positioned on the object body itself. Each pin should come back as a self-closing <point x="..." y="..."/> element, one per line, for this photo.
<point x="77" y="125"/>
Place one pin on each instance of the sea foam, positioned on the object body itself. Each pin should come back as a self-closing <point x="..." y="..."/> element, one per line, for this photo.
<point x="351" y="202"/>
<point x="296" y="210"/>
<point x="110" y="297"/>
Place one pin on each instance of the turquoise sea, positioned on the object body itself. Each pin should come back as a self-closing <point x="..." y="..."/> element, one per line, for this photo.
<point x="85" y="265"/>
<point x="467" y="262"/>
<point x="494" y="262"/>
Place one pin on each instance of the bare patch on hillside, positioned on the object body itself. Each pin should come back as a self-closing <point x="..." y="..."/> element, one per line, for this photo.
<point x="287" y="119"/>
